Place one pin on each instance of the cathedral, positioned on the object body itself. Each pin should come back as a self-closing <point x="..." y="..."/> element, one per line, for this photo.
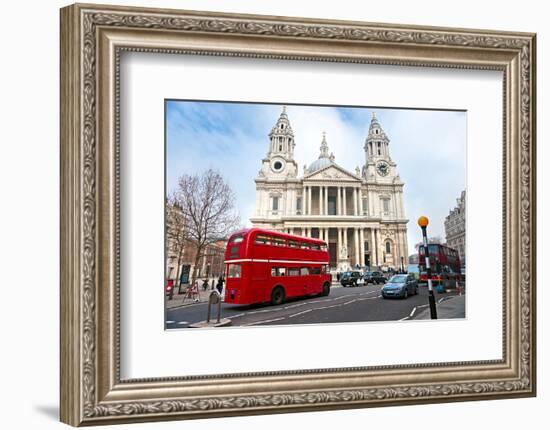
<point x="359" y="214"/>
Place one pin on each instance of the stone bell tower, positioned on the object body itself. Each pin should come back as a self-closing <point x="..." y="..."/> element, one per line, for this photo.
<point x="279" y="161"/>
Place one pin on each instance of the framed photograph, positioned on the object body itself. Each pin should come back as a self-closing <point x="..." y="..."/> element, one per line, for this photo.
<point x="340" y="214"/>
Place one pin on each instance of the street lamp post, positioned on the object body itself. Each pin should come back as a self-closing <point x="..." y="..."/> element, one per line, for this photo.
<point x="423" y="223"/>
<point x="402" y="265"/>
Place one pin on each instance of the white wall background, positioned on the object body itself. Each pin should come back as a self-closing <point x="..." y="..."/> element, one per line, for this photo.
<point x="29" y="215"/>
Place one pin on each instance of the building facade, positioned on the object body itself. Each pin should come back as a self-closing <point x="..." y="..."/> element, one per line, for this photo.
<point x="359" y="214"/>
<point x="455" y="227"/>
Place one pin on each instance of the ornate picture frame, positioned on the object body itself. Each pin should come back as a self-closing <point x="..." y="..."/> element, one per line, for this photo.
<point x="92" y="39"/>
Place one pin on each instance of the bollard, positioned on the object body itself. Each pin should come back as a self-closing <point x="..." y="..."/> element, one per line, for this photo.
<point x="214" y="299"/>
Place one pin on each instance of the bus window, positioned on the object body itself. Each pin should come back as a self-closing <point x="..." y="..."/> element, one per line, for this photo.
<point x="234" y="271"/>
<point x="234" y="251"/>
<point x="323" y="247"/>
<point x="433" y="249"/>
<point x="315" y="271"/>
<point x="293" y="271"/>
<point x="234" y="245"/>
<point x="237" y="238"/>
<point x="278" y="271"/>
<point x="262" y="239"/>
<point x="304" y="271"/>
<point x="293" y="244"/>
<point x="315" y="246"/>
<point x="304" y="245"/>
<point x="278" y="241"/>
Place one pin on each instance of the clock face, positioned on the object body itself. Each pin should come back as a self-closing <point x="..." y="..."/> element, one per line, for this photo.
<point x="383" y="168"/>
<point x="277" y="165"/>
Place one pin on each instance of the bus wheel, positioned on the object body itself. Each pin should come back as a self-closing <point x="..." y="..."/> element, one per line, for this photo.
<point x="326" y="289"/>
<point x="277" y="296"/>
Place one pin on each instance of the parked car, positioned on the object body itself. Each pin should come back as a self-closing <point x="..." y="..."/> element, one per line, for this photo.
<point x="400" y="286"/>
<point x="351" y="278"/>
<point x="374" y="278"/>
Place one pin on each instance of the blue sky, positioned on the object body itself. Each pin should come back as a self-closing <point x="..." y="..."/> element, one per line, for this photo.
<point x="428" y="146"/>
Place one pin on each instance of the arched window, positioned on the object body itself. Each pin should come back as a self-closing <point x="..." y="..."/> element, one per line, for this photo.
<point x="388" y="247"/>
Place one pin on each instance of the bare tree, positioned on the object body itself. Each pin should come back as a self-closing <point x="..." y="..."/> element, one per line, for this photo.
<point x="207" y="203"/>
<point x="177" y="230"/>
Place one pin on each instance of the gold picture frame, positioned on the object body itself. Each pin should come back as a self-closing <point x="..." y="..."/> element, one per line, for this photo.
<point x="92" y="38"/>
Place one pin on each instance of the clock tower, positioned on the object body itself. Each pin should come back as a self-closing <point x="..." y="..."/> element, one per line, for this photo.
<point x="379" y="166"/>
<point x="279" y="161"/>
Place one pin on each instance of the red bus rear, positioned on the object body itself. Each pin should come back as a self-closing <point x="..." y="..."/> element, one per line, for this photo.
<point x="268" y="266"/>
<point x="444" y="264"/>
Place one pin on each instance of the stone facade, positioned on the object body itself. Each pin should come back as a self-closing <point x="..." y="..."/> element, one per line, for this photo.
<point x="359" y="214"/>
<point x="455" y="227"/>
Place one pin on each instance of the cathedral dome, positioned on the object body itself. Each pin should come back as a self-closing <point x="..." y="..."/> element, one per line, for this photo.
<point x="319" y="164"/>
<point x="324" y="159"/>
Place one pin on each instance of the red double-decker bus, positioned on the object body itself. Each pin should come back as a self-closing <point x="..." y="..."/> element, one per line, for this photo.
<point x="268" y="266"/>
<point x="444" y="264"/>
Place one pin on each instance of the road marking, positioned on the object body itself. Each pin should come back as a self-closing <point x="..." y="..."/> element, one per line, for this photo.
<point x="412" y="312"/>
<point x="183" y="322"/>
<point x="265" y="321"/>
<point x="308" y="302"/>
<point x="238" y="315"/>
<point x="170" y="322"/>
<point x="300" y="313"/>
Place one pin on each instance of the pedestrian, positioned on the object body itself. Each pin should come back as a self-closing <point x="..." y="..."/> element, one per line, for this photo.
<point x="219" y="285"/>
<point x="212" y="284"/>
<point x="205" y="284"/>
<point x="338" y="276"/>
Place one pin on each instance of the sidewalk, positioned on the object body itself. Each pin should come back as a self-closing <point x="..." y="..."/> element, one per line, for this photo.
<point x="177" y="299"/>
<point x="452" y="307"/>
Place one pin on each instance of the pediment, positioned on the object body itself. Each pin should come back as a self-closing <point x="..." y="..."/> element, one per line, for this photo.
<point x="331" y="173"/>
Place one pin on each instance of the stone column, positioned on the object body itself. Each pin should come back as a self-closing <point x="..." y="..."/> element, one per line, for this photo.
<point x="361" y="246"/>
<point x="355" y="201"/>
<point x="378" y="248"/>
<point x="321" y="200"/>
<point x="304" y="201"/>
<point x="309" y="211"/>
<point x="360" y="197"/>
<point x="356" y="243"/>
<point x="303" y="232"/>
<point x="373" y="251"/>
<point x="326" y="200"/>
<point x="344" y="212"/>
<point x="345" y="232"/>
<point x="338" y="202"/>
